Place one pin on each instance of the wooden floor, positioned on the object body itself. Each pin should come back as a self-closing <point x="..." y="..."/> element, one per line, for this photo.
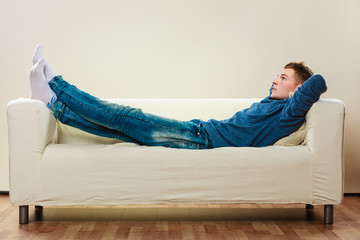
<point x="240" y="221"/>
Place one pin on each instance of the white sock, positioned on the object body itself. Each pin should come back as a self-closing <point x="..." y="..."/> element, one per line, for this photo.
<point x="38" y="54"/>
<point x="40" y="88"/>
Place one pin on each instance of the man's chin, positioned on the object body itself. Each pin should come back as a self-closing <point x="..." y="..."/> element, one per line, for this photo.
<point x="273" y="96"/>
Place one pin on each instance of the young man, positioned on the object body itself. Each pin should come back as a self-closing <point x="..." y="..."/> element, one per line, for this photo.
<point x="282" y="112"/>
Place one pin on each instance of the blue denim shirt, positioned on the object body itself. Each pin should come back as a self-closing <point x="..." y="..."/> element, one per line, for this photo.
<point x="267" y="121"/>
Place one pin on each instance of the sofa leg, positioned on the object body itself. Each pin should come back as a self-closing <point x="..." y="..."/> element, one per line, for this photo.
<point x="38" y="213"/>
<point x="24" y="214"/>
<point x="328" y="214"/>
<point x="39" y="208"/>
<point x="309" y="206"/>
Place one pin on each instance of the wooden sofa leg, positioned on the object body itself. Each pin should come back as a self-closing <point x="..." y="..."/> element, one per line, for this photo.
<point x="328" y="214"/>
<point x="24" y="214"/>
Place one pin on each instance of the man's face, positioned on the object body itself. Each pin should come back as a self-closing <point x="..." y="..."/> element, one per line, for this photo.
<point x="284" y="84"/>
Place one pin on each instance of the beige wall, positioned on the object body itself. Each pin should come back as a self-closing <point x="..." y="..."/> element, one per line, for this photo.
<point x="183" y="49"/>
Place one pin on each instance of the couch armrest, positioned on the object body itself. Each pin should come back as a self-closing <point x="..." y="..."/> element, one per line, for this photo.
<point x="325" y="139"/>
<point x="31" y="127"/>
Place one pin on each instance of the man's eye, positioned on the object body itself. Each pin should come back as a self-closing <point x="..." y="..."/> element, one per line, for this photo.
<point x="283" y="78"/>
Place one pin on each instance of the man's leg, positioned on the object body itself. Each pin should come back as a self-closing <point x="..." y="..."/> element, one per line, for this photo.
<point x="144" y="128"/>
<point x="70" y="104"/>
<point x="40" y="90"/>
<point x="68" y="117"/>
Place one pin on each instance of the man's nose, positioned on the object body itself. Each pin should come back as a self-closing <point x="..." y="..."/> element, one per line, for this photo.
<point x="276" y="81"/>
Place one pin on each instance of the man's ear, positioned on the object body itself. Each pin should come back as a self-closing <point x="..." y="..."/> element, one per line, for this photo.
<point x="299" y="85"/>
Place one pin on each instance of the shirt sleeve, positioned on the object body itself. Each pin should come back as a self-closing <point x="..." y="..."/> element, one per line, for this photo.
<point x="306" y="95"/>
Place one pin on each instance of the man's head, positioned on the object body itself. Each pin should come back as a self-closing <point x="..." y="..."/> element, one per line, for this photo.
<point x="291" y="77"/>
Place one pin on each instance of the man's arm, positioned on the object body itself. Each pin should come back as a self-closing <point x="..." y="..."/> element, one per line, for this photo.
<point x="305" y="96"/>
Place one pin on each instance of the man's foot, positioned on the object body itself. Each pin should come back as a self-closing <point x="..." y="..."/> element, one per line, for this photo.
<point x="38" y="55"/>
<point x="40" y="88"/>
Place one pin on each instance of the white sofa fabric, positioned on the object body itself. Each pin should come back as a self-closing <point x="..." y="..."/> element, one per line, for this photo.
<point x="54" y="164"/>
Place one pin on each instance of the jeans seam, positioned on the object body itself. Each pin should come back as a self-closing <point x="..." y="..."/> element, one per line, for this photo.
<point x="82" y="104"/>
<point x="81" y="123"/>
<point x="61" y="115"/>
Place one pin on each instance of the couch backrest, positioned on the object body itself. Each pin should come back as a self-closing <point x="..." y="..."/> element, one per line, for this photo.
<point x="180" y="109"/>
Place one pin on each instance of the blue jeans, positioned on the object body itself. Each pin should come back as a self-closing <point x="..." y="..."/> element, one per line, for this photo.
<point x="88" y="113"/>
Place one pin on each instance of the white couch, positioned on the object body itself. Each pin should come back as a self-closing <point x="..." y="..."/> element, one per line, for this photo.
<point x="53" y="164"/>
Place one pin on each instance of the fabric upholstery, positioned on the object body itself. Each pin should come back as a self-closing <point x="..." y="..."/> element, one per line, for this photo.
<point x="53" y="164"/>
